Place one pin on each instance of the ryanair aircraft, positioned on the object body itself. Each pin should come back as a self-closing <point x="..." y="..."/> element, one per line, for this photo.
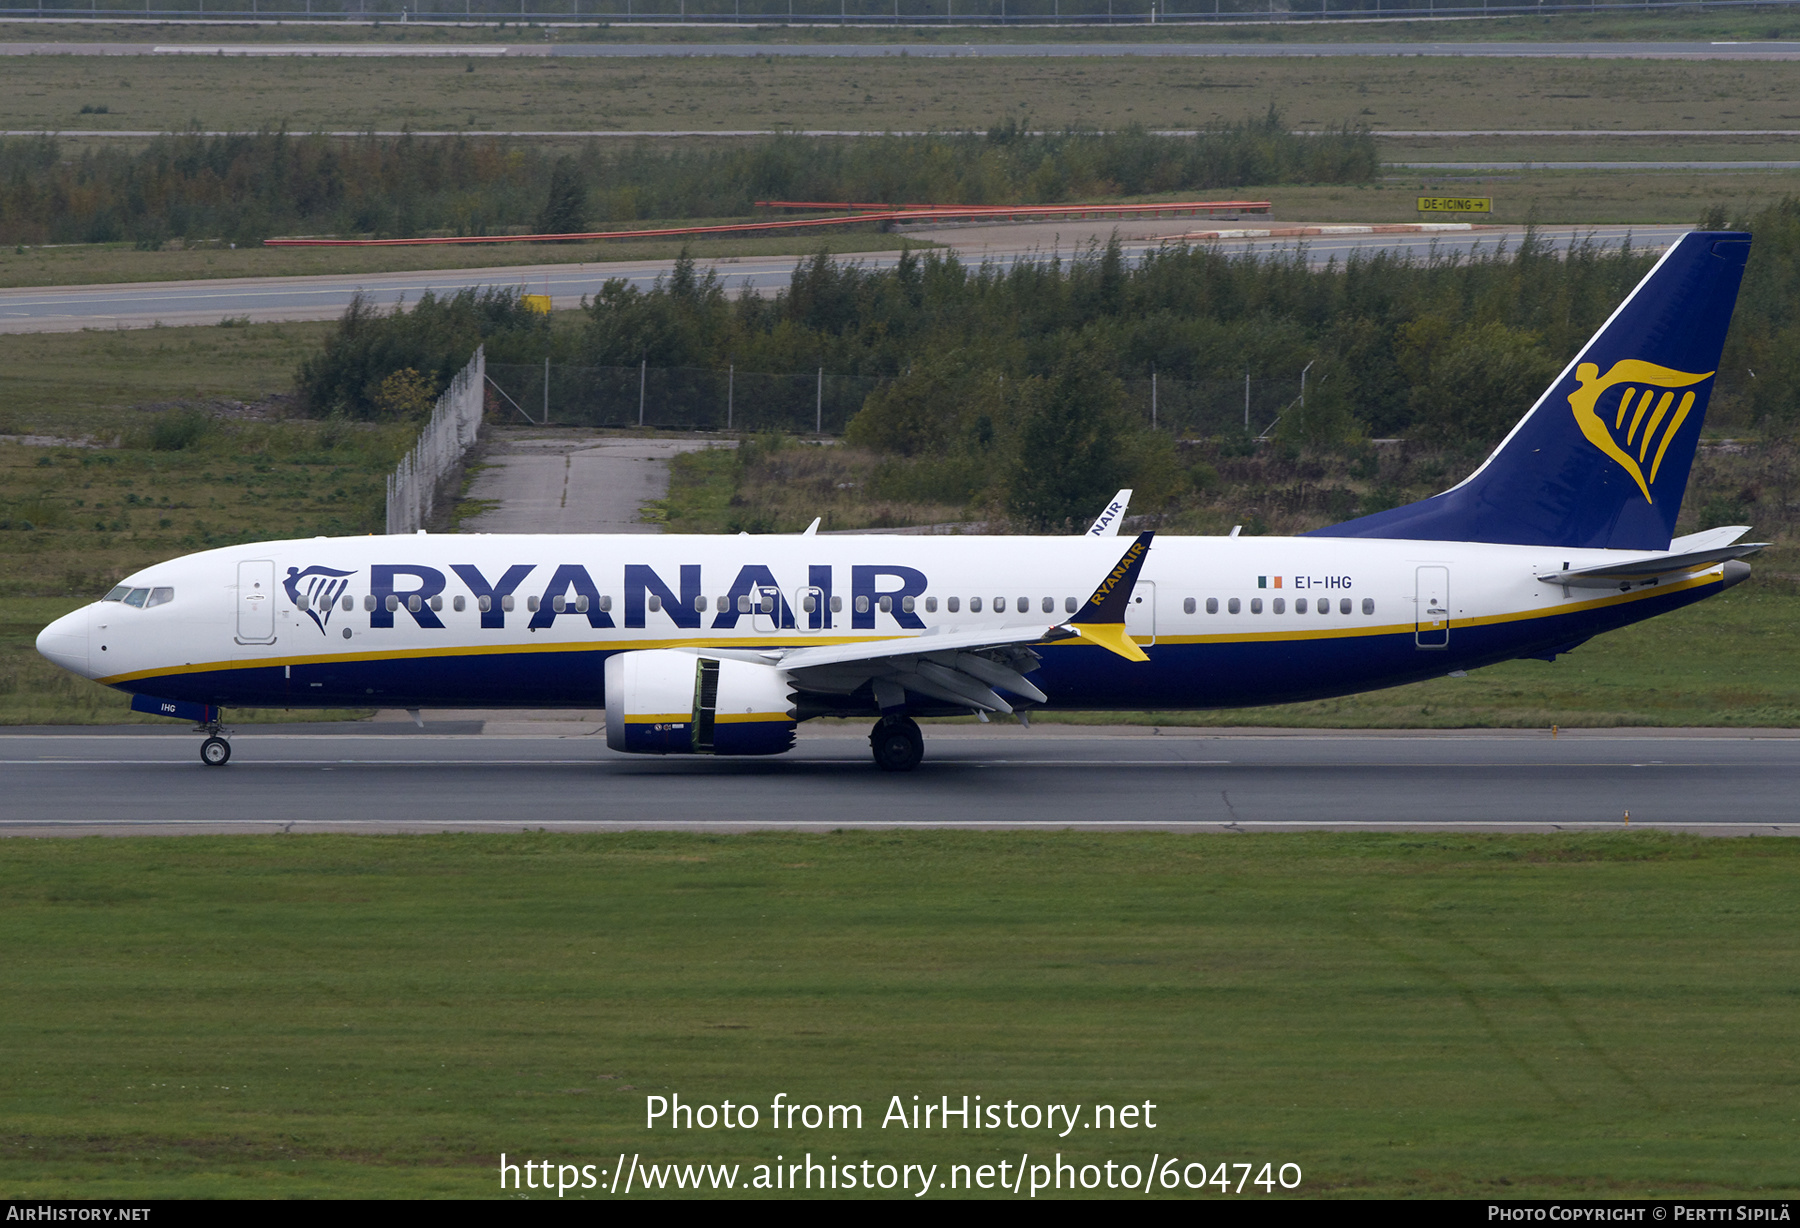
<point x="722" y="645"/>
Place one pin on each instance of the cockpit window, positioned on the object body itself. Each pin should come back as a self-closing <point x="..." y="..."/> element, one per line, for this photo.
<point x="118" y="594"/>
<point x="160" y="596"/>
<point x="136" y="597"/>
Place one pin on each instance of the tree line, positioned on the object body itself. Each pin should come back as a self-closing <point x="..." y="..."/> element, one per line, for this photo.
<point x="255" y="185"/>
<point x="1004" y="383"/>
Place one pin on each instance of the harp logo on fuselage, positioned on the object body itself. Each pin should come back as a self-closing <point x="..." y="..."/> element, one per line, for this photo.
<point x="1638" y="428"/>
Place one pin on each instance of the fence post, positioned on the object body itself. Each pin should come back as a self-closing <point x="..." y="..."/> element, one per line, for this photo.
<point x="1153" y="398"/>
<point x="546" y="390"/>
<point x="453" y="426"/>
<point x="1246" y="398"/>
<point x="730" y="392"/>
<point x="643" y="374"/>
<point x="819" y="410"/>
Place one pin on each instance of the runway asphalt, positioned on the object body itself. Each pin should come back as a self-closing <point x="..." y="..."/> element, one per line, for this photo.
<point x="1568" y="50"/>
<point x="350" y="779"/>
<point x="142" y="304"/>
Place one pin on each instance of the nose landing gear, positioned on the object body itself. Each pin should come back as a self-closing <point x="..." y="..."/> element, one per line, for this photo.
<point x="215" y="751"/>
<point x="897" y="744"/>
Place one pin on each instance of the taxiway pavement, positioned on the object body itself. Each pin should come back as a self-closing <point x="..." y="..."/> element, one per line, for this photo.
<point x="142" y="304"/>
<point x="356" y="778"/>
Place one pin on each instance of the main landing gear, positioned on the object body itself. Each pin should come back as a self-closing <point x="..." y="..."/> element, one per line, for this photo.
<point x="215" y="751"/>
<point x="897" y="743"/>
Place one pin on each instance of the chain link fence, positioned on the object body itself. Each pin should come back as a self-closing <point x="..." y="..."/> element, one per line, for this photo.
<point x="679" y="398"/>
<point x="819" y="402"/>
<point x="413" y="487"/>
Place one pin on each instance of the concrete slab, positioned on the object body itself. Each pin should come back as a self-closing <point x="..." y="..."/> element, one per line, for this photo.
<point x="573" y="481"/>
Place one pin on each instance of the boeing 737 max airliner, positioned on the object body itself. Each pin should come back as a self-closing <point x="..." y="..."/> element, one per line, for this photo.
<point x="722" y="645"/>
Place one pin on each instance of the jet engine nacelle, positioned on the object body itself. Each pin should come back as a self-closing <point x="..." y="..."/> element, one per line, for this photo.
<point x="664" y="702"/>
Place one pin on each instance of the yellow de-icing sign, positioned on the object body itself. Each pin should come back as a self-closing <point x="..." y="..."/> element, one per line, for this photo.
<point x="1456" y="204"/>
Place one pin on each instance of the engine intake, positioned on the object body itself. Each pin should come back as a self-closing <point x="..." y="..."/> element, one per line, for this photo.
<point x="666" y="702"/>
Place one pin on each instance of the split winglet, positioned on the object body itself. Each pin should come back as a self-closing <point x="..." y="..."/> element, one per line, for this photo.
<point x="1102" y="616"/>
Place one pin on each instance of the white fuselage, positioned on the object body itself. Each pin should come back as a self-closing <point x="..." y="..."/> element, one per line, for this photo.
<point x="1225" y="621"/>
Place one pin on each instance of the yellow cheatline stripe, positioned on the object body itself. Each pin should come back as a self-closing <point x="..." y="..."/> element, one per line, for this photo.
<point x="1711" y="576"/>
<point x="658" y="718"/>
<point x="750" y="718"/>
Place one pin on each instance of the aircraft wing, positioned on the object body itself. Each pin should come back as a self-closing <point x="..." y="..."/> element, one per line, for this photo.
<point x="1651" y="569"/>
<point x="970" y="668"/>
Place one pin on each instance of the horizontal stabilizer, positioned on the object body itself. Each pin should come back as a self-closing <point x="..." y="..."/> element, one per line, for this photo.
<point x="1650" y="570"/>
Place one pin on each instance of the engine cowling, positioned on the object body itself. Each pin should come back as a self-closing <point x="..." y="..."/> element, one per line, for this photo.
<point x="664" y="702"/>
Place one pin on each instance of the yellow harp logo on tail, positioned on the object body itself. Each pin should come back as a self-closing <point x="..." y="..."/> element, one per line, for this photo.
<point x="1645" y="420"/>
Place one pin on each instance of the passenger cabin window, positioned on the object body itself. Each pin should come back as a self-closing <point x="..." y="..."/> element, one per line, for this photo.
<point x="837" y="605"/>
<point x="1233" y="606"/>
<point x="136" y="597"/>
<point x="887" y="605"/>
<point x="606" y="604"/>
<point x="999" y="605"/>
<point x="654" y="602"/>
<point x="974" y="605"/>
<point x="1343" y="605"/>
<point x="953" y="604"/>
<point x="413" y="603"/>
<point x="931" y="605"/>
<point x="506" y="603"/>
<point x="393" y="602"/>
<point x="1279" y="605"/>
<point x="1212" y="605"/>
<point x="558" y="604"/>
<point x="699" y="604"/>
<point x="581" y="605"/>
<point x="862" y="605"/>
<point x="744" y="604"/>
<point x="1324" y="605"/>
<point x="1024" y="606"/>
<point x="1368" y="605"/>
<point x="1299" y="605"/>
<point x="1049" y="605"/>
<point x="906" y="604"/>
<point x="1187" y="605"/>
<point x="349" y="603"/>
<point x="1069" y="605"/>
<point x="437" y="603"/>
<point x="368" y="602"/>
<point x="1256" y="605"/>
<point x="459" y="604"/>
<point x="531" y="604"/>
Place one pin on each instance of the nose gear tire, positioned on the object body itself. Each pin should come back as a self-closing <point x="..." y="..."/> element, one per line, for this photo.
<point x="215" y="752"/>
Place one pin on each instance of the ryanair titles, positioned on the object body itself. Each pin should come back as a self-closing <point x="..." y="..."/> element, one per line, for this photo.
<point x="539" y="594"/>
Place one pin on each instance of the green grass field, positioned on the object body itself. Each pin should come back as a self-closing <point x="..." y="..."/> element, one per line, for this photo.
<point x="888" y="93"/>
<point x="1597" y="1016"/>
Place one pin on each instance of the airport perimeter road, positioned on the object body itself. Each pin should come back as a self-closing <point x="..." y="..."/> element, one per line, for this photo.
<point x="1598" y="51"/>
<point x="143" y="782"/>
<point x="142" y="304"/>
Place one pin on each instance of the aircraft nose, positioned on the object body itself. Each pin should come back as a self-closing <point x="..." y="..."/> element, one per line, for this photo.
<point x="65" y="642"/>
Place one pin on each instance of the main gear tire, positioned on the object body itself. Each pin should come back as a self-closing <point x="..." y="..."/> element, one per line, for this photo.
<point x="897" y="744"/>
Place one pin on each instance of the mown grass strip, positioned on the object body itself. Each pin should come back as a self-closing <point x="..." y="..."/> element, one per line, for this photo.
<point x="1601" y="1015"/>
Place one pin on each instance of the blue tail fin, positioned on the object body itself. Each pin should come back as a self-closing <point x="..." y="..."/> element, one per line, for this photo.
<point x="1602" y="459"/>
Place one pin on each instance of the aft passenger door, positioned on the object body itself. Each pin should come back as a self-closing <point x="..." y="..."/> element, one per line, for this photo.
<point x="1431" y="628"/>
<point x="256" y="602"/>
